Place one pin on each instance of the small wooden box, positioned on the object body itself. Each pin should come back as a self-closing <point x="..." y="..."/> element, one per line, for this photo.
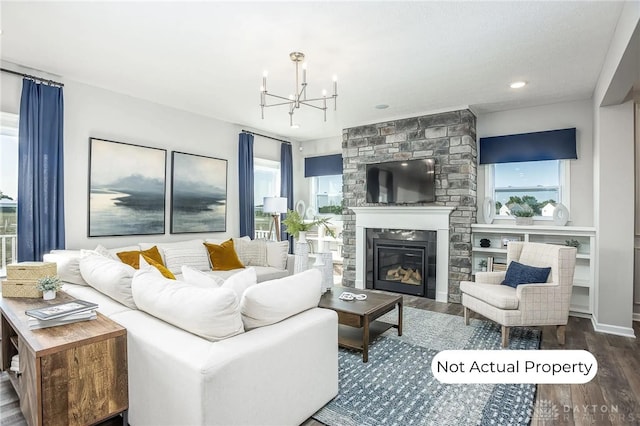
<point x="30" y="271"/>
<point x="13" y="288"/>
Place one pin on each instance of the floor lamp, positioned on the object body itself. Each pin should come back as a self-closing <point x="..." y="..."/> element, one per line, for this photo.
<point x="276" y="206"/>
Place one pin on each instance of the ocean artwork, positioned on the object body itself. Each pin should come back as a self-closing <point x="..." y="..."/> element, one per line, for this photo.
<point x="198" y="194"/>
<point x="126" y="189"/>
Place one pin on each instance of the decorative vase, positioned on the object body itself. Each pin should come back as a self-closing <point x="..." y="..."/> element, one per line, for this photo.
<point x="301" y="250"/>
<point x="524" y="220"/>
<point x="324" y="263"/>
<point x="302" y="236"/>
<point x="49" y="294"/>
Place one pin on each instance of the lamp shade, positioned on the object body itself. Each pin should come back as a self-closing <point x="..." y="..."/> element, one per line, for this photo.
<point x="275" y="205"/>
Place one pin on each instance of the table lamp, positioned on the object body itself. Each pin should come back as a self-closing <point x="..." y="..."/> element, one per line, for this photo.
<point x="276" y="206"/>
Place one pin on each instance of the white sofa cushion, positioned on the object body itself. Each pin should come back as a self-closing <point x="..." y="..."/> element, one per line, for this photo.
<point x="273" y="301"/>
<point x="213" y="314"/>
<point x="241" y="281"/>
<point x="251" y="252"/>
<point x="174" y="255"/>
<point x="68" y="264"/>
<point x="108" y="276"/>
<point x="201" y="279"/>
<point x="277" y="254"/>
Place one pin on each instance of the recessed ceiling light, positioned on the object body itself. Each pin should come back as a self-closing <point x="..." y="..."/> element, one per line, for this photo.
<point x="404" y="164"/>
<point x="518" y="84"/>
<point x="382" y="106"/>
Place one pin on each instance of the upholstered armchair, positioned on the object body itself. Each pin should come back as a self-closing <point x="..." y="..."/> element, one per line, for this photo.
<point x="526" y="304"/>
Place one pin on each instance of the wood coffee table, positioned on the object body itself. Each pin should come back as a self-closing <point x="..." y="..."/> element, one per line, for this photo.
<point x="357" y="318"/>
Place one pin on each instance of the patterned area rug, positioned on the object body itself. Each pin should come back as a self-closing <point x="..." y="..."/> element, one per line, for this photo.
<point x="396" y="386"/>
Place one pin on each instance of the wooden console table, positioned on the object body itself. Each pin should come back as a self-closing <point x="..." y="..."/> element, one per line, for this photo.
<point x="74" y="374"/>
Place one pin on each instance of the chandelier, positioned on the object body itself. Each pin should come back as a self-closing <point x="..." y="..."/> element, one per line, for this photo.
<point x="294" y="101"/>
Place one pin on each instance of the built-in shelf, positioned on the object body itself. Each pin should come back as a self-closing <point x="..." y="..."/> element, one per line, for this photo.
<point x="582" y="299"/>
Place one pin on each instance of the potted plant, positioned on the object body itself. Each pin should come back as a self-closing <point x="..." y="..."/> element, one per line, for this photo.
<point x="483" y="265"/>
<point x="49" y="285"/>
<point x="298" y="227"/>
<point x="523" y="214"/>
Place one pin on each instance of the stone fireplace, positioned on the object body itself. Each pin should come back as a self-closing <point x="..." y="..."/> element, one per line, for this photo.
<point x="450" y="139"/>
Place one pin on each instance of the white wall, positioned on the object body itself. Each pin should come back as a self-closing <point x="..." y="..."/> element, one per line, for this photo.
<point x="614" y="176"/>
<point x="550" y="117"/>
<point x="99" y="113"/>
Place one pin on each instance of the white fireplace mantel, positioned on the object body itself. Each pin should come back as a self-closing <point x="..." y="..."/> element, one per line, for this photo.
<point x="428" y="218"/>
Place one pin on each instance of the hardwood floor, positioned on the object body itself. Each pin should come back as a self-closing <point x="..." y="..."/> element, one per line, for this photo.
<point x="611" y="398"/>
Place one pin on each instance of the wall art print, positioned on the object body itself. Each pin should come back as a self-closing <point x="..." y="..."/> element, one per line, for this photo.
<point x="198" y="193"/>
<point x="126" y="189"/>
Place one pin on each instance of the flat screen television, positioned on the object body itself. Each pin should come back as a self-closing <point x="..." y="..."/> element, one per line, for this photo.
<point x="401" y="182"/>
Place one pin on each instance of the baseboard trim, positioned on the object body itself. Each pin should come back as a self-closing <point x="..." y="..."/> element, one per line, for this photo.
<point x="612" y="329"/>
<point x="636" y="317"/>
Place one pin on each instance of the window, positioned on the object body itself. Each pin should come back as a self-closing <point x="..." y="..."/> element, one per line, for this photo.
<point x="8" y="189"/>
<point x="326" y="194"/>
<point x="539" y="184"/>
<point x="266" y="183"/>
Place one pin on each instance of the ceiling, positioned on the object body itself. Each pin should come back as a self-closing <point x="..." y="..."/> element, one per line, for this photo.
<point x="416" y="57"/>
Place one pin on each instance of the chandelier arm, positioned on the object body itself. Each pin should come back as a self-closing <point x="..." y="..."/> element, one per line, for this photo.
<point x="278" y="104"/>
<point x="313" y="106"/>
<point x="279" y="97"/>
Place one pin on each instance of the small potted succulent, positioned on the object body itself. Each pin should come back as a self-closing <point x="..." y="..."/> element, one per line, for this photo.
<point x="49" y="285"/>
<point x="524" y="214"/>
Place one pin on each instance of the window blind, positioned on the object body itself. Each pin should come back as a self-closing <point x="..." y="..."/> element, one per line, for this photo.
<point x="325" y="165"/>
<point x="536" y="146"/>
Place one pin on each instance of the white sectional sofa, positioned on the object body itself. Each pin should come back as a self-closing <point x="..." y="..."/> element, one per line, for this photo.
<point x="277" y="374"/>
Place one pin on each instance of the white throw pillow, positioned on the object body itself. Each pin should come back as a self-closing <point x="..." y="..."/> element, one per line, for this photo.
<point x="241" y="281"/>
<point x="194" y="244"/>
<point x="196" y="257"/>
<point x="102" y="250"/>
<point x="200" y="279"/>
<point x="277" y="253"/>
<point x="108" y="276"/>
<point x="68" y="264"/>
<point x="211" y="313"/>
<point x="251" y="253"/>
<point x="273" y="301"/>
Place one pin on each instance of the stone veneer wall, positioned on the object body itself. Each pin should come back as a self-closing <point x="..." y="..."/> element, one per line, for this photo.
<point x="448" y="137"/>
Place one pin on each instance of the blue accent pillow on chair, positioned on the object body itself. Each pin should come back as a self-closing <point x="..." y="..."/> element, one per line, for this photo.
<point x="517" y="274"/>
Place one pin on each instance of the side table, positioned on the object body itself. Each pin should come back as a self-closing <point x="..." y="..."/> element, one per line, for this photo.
<point x="74" y="374"/>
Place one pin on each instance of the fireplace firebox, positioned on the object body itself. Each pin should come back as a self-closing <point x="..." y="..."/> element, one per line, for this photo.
<point x="402" y="261"/>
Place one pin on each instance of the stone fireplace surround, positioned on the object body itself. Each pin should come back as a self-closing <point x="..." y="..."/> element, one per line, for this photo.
<point x="449" y="138"/>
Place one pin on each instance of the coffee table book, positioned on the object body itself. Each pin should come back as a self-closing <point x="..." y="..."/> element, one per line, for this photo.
<point x="60" y="310"/>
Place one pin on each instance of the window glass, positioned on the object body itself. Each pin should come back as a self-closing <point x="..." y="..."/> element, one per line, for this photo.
<point x="327" y="194"/>
<point x="8" y="189"/>
<point x="266" y="183"/>
<point x="534" y="183"/>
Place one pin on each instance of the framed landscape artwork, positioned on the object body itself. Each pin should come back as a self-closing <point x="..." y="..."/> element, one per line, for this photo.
<point x="198" y="194"/>
<point x="126" y="189"/>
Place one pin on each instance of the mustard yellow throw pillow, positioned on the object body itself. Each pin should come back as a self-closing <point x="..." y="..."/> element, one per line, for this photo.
<point x="223" y="257"/>
<point x="160" y="267"/>
<point x="132" y="258"/>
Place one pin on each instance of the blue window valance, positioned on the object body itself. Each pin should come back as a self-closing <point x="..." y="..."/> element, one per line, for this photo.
<point x="325" y="165"/>
<point x="536" y="146"/>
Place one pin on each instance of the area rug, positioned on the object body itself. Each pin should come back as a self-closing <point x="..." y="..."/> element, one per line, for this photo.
<point x="396" y="386"/>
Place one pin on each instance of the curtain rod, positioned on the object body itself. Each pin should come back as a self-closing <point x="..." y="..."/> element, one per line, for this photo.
<point x="265" y="136"/>
<point x="32" y="77"/>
